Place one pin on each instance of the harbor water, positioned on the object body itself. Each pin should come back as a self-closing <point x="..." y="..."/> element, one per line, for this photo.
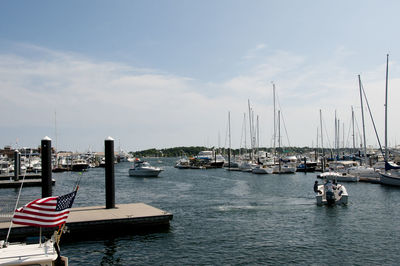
<point x="236" y="218"/>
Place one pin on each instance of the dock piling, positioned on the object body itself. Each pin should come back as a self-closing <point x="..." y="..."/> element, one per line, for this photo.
<point x="46" y="167"/>
<point x="109" y="172"/>
<point x="17" y="165"/>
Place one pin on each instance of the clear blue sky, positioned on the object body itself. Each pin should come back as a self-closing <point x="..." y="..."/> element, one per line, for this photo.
<point x="166" y="73"/>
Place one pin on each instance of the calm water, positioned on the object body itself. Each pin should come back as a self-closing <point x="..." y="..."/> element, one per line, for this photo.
<point x="223" y="217"/>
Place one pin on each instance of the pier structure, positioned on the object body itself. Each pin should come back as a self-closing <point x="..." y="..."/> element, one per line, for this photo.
<point x="43" y="179"/>
<point x="99" y="221"/>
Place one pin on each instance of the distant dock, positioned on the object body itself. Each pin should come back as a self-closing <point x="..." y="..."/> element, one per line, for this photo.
<point x="27" y="183"/>
<point x="98" y="221"/>
<point x="21" y="176"/>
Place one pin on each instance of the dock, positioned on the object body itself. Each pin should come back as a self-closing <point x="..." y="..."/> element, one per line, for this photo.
<point x="21" y="176"/>
<point x="27" y="183"/>
<point x="89" y="222"/>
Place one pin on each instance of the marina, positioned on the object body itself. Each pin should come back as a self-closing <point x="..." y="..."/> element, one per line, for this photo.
<point x="270" y="219"/>
<point x="240" y="133"/>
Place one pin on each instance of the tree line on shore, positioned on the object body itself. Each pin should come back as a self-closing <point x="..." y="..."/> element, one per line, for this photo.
<point x="194" y="150"/>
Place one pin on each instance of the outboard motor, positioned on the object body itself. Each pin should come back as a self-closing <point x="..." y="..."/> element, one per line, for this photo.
<point x="330" y="197"/>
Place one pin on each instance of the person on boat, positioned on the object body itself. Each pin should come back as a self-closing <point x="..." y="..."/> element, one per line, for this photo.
<point x="329" y="186"/>
<point x="316" y="190"/>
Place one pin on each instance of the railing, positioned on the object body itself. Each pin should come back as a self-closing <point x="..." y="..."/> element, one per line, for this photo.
<point x="8" y="204"/>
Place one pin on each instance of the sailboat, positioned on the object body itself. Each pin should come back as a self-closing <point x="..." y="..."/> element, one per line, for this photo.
<point x="391" y="176"/>
<point x="363" y="172"/>
<point x="282" y="168"/>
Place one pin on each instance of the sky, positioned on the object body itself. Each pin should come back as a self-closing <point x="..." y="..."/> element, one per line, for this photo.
<point x="161" y="74"/>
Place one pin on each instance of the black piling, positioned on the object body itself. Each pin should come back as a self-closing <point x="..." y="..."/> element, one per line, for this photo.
<point x="109" y="170"/>
<point x="46" y="167"/>
<point x="17" y="165"/>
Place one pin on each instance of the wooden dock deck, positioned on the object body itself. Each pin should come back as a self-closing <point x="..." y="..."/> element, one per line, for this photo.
<point x="99" y="222"/>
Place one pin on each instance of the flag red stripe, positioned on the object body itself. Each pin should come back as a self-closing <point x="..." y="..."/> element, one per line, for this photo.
<point x="49" y="214"/>
<point x="41" y="225"/>
<point x="42" y="212"/>
<point x="41" y="220"/>
<point x="41" y="208"/>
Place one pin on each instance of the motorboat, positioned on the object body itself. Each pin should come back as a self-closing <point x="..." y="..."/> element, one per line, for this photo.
<point x="365" y="173"/>
<point x="247" y="166"/>
<point x="307" y="167"/>
<point x="79" y="165"/>
<point x="209" y="159"/>
<point x="144" y="169"/>
<point x="338" y="176"/>
<point x="331" y="194"/>
<point x="182" y="163"/>
<point x="283" y="169"/>
<point x="262" y="169"/>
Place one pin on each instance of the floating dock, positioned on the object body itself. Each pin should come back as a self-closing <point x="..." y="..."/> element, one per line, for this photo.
<point x="21" y="176"/>
<point x="89" y="222"/>
<point x="27" y="183"/>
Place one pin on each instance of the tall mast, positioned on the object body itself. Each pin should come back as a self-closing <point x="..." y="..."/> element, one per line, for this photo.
<point x="251" y="131"/>
<point x="336" y="132"/>
<point x="279" y="129"/>
<point x="322" y="135"/>
<point x="352" y="121"/>
<point x="273" y="91"/>
<point x="244" y="123"/>
<point x="363" y="122"/>
<point x="229" y="130"/>
<point x="386" y="102"/>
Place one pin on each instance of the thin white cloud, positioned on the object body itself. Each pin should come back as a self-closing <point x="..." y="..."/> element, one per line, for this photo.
<point x="147" y="108"/>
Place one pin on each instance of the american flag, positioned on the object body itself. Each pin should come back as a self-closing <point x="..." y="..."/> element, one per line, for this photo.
<point x="46" y="212"/>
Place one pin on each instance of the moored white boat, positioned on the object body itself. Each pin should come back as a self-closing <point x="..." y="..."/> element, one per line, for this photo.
<point x="30" y="254"/>
<point x="262" y="169"/>
<point x="283" y="169"/>
<point x="340" y="177"/>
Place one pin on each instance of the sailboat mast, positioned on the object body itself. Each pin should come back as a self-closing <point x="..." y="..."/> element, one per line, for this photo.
<point x="279" y="138"/>
<point x="250" y="125"/>
<point x="363" y="122"/>
<point x="273" y="93"/>
<point x="386" y="102"/>
<point x="322" y="140"/>
<point x="352" y="121"/>
<point x="229" y="130"/>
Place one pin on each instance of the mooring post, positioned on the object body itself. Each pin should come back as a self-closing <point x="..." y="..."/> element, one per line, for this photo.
<point x="109" y="169"/>
<point x="17" y="165"/>
<point x="46" y="167"/>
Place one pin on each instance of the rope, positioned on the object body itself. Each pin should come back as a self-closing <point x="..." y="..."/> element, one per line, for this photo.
<point x="373" y="122"/>
<point x="16" y="203"/>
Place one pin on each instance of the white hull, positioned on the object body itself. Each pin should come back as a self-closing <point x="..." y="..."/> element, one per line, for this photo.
<point x="32" y="254"/>
<point x="340" y="177"/>
<point x="144" y="172"/>
<point x="364" y="172"/>
<point x="341" y="195"/>
<point x="262" y="170"/>
<point x="284" y="169"/>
